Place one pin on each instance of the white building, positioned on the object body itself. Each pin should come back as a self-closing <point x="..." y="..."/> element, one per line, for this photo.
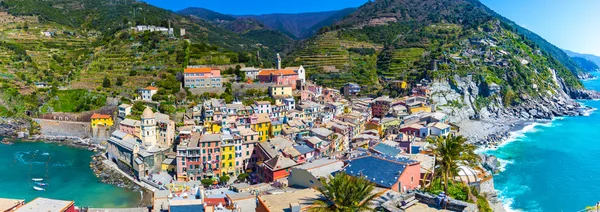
<point x="250" y="72"/>
<point x="147" y="93"/>
<point x="300" y="71"/>
<point x="124" y="110"/>
<point x="148" y="129"/>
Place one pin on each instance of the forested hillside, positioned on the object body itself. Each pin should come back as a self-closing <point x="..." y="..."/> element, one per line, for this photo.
<point x="413" y="39"/>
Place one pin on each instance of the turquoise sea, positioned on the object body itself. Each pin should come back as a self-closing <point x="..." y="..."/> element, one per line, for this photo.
<point x="65" y="169"/>
<point x="553" y="166"/>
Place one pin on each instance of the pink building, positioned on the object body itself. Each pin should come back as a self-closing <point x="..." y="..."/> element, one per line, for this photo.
<point x="306" y="96"/>
<point x="210" y="144"/>
<point x="279" y="77"/>
<point x="317" y="90"/>
<point x="130" y="126"/>
<point x="249" y="141"/>
<point x="202" y="77"/>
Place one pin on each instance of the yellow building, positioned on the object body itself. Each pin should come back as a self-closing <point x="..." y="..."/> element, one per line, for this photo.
<point x="213" y="127"/>
<point x="400" y="84"/>
<point x="348" y="109"/>
<point x="102" y="120"/>
<point x="169" y="165"/>
<point x="423" y="108"/>
<point x="261" y="125"/>
<point x="374" y="126"/>
<point x="276" y="128"/>
<point x="228" y="158"/>
<point x="280" y="90"/>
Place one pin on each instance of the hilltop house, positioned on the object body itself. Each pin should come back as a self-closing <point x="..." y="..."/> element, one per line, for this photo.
<point x="147" y="93"/>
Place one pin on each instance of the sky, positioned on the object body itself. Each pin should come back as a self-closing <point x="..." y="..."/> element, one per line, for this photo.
<point x="568" y="24"/>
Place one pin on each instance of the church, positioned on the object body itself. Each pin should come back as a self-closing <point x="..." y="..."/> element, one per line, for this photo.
<point x="142" y="152"/>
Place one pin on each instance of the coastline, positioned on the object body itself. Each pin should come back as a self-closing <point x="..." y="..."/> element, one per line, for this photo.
<point x="104" y="174"/>
<point x="490" y="136"/>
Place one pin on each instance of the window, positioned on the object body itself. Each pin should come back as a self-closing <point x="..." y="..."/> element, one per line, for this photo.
<point x="247" y="153"/>
<point x="237" y="163"/>
<point x="412" y="179"/>
<point x="223" y="164"/>
<point x="230" y="164"/>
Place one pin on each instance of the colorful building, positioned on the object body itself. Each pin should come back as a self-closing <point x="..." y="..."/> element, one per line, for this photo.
<point x="228" y="149"/>
<point x="147" y="93"/>
<point x="381" y="106"/>
<point x="275" y="129"/>
<point x="280" y="90"/>
<point x="202" y="77"/>
<point x="351" y="89"/>
<point x="276" y="168"/>
<point x="102" y="120"/>
<point x="261" y="123"/>
<point x="279" y="77"/>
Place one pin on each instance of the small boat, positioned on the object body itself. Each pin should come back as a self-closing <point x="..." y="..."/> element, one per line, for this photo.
<point x="39" y="188"/>
<point x="41" y="184"/>
<point x="37" y="179"/>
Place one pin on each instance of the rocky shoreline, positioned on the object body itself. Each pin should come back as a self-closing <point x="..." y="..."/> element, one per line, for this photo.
<point x="110" y="176"/>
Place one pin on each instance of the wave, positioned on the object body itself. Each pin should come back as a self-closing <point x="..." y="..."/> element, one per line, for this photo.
<point x="25" y="157"/>
<point x="503" y="163"/>
<point x="507" y="203"/>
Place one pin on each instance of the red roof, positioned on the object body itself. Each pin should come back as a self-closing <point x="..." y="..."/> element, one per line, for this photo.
<point x="101" y="116"/>
<point x="199" y="70"/>
<point x="151" y="88"/>
<point x="266" y="72"/>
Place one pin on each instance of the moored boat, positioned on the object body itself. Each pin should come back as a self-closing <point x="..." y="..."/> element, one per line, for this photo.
<point x="37" y="179"/>
<point x="41" y="184"/>
<point x="39" y="188"/>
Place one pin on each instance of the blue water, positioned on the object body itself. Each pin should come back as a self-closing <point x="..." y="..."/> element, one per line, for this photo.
<point x="555" y="166"/>
<point x="65" y="169"/>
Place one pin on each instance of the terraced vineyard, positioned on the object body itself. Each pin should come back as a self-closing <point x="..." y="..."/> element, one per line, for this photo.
<point x="329" y="50"/>
<point x="39" y="52"/>
<point x="136" y="61"/>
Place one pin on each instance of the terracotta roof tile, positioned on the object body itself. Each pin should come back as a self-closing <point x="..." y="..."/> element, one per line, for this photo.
<point x="266" y="72"/>
<point x="101" y="116"/>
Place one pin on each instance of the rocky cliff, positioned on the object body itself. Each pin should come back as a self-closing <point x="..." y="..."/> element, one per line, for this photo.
<point x="461" y="98"/>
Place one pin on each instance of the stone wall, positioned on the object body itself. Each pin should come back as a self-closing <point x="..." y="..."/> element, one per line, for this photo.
<point x="246" y="86"/>
<point x="64" y="128"/>
<point x="454" y="205"/>
<point x="79" y="117"/>
<point x="199" y="91"/>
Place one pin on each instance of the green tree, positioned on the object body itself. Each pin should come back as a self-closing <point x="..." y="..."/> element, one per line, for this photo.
<point x="450" y="152"/>
<point x="344" y="193"/>
<point x="224" y="179"/>
<point x="207" y="182"/>
<point x="106" y="82"/>
<point x="119" y="81"/>
<point x="243" y="176"/>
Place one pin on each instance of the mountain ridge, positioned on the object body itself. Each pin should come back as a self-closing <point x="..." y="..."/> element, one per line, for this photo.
<point x="295" y="25"/>
<point x="591" y="57"/>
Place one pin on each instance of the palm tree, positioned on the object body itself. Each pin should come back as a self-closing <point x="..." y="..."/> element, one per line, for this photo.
<point x="344" y="193"/>
<point x="450" y="152"/>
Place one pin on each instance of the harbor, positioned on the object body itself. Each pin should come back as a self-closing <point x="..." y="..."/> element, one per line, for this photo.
<point x="38" y="169"/>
